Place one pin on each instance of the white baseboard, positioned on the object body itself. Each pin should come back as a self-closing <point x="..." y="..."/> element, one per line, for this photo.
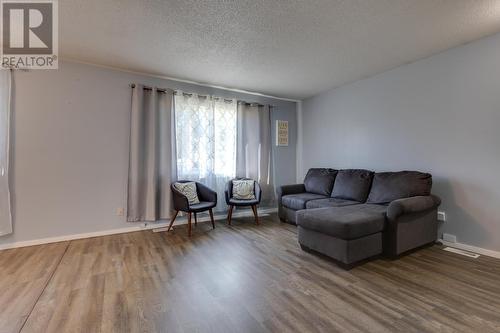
<point x="64" y="238"/>
<point x="139" y="227"/>
<point x="471" y="248"/>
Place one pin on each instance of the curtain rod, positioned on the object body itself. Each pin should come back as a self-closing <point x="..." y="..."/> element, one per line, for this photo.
<point x="188" y="94"/>
<point x="148" y="88"/>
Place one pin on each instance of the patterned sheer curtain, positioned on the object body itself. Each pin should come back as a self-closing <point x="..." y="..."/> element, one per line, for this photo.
<point x="205" y="131"/>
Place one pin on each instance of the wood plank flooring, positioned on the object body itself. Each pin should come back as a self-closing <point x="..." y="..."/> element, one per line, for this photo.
<point x="243" y="278"/>
<point x="24" y="273"/>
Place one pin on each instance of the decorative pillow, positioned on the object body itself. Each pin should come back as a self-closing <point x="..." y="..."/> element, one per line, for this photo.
<point x="243" y="189"/>
<point x="189" y="190"/>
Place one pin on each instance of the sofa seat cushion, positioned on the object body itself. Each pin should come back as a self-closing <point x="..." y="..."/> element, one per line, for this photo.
<point x="320" y="180"/>
<point x="243" y="202"/>
<point x="202" y="205"/>
<point x="330" y="202"/>
<point x="298" y="201"/>
<point x="348" y="222"/>
<point x="352" y="184"/>
<point x="390" y="186"/>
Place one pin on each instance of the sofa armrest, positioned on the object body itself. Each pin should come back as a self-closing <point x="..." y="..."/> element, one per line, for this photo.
<point x="412" y="205"/>
<point x="290" y="189"/>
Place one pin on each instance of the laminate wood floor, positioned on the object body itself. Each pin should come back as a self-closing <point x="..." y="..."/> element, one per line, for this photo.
<point x="244" y="278"/>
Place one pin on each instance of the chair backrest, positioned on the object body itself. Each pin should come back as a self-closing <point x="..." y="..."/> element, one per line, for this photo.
<point x="230" y="185"/>
<point x="172" y="187"/>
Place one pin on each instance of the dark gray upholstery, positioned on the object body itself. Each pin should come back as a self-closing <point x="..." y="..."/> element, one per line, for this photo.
<point x="409" y="232"/>
<point x="345" y="251"/>
<point x="298" y="201"/>
<point x="284" y="213"/>
<point x="290" y="189"/>
<point x="330" y="202"/>
<point x="205" y="195"/>
<point x="412" y="223"/>
<point x="207" y="198"/>
<point x="398" y="214"/>
<point x="411" y="205"/>
<point x="202" y="206"/>
<point x="233" y="202"/>
<point x="242" y="203"/>
<point x="320" y="181"/>
<point x="349" y="222"/>
<point x="389" y="186"/>
<point x="228" y="194"/>
<point x="352" y="184"/>
<point x="287" y="214"/>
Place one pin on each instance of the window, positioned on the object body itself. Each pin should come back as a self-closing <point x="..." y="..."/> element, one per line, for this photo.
<point x="205" y="130"/>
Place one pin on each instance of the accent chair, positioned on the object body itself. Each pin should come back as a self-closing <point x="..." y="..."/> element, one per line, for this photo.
<point x="235" y="202"/>
<point x="206" y="196"/>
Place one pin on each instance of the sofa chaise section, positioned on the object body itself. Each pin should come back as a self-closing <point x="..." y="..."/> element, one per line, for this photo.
<point x="348" y="234"/>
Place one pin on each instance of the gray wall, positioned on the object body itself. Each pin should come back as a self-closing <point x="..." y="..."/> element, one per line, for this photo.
<point x="70" y="147"/>
<point x="440" y="114"/>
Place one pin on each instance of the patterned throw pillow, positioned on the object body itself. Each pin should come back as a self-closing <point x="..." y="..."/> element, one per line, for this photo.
<point x="243" y="189"/>
<point x="189" y="190"/>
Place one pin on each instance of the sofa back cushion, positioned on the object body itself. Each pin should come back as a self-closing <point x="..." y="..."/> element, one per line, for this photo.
<point x="352" y="184"/>
<point x="320" y="180"/>
<point x="389" y="186"/>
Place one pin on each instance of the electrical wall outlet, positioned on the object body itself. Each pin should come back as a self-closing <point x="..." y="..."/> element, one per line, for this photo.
<point x="120" y="211"/>
<point x="441" y="216"/>
<point x="449" y="238"/>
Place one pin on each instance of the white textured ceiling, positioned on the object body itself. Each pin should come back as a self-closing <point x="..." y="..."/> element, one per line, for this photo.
<point x="284" y="48"/>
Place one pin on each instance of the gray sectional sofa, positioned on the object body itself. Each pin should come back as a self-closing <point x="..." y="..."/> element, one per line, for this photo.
<point x="354" y="214"/>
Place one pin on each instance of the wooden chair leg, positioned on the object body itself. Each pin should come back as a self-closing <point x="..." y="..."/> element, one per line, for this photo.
<point x="195" y="219"/>
<point x="230" y="214"/>
<point x="254" y="208"/>
<point x="212" y="217"/>
<point x="189" y="224"/>
<point x="172" y="221"/>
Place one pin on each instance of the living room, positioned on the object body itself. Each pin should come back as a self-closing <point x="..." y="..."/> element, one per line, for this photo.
<point x="249" y="166"/>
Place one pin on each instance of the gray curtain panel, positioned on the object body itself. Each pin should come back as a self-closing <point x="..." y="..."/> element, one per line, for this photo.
<point x="5" y="92"/>
<point x="254" y="150"/>
<point x="150" y="159"/>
